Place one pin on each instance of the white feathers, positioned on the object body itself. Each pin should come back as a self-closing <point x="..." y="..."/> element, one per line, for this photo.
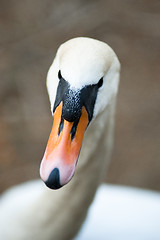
<point x="122" y="213"/>
<point x="84" y="61"/>
<point x="59" y="214"/>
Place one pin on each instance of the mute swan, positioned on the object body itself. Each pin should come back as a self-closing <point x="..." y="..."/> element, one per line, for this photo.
<point x="82" y="84"/>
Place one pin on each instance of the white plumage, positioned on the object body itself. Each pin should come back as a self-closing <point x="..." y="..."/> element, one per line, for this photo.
<point x="117" y="212"/>
<point x="31" y="211"/>
<point x="122" y="213"/>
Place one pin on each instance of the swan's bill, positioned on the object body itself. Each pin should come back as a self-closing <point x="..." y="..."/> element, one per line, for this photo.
<point x="81" y="83"/>
<point x="63" y="148"/>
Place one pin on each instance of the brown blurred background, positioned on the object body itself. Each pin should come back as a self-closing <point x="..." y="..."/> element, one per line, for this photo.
<point x="30" y="32"/>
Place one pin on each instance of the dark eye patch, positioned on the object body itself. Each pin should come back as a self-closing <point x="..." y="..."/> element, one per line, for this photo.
<point x="100" y="83"/>
<point x="59" y="74"/>
<point x="73" y="101"/>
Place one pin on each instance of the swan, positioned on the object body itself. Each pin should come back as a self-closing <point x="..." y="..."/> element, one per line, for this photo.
<point x="82" y="84"/>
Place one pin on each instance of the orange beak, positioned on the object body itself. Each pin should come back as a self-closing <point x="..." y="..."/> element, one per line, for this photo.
<point x="62" y="151"/>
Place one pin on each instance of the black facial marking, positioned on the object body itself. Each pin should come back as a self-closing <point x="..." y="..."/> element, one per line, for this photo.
<point x="88" y="98"/>
<point x="73" y="101"/>
<point x="72" y="106"/>
<point x="100" y="83"/>
<point x="61" y="126"/>
<point x="74" y="128"/>
<point x="59" y="74"/>
<point x="61" y="91"/>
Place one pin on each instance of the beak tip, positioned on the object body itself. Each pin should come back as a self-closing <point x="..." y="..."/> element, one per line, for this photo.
<point x="53" y="180"/>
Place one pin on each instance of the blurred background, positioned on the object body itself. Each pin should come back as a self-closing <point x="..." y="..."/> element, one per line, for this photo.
<point x="30" y="33"/>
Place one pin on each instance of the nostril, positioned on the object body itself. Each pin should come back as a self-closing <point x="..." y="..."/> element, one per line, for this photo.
<point x="53" y="181"/>
<point x="61" y="126"/>
<point x="74" y="128"/>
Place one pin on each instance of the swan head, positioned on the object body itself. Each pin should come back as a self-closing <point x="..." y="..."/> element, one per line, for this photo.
<point x="81" y="82"/>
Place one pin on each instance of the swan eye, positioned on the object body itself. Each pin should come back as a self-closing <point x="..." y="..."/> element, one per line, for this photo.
<point x="100" y="83"/>
<point x="59" y="74"/>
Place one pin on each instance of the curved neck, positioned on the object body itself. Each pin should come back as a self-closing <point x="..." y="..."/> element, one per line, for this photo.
<point x="66" y="207"/>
